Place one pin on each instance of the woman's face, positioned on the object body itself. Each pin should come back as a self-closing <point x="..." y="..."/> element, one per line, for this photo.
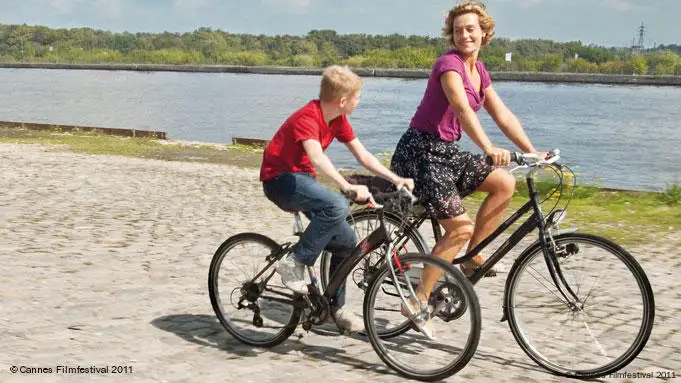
<point x="467" y="33"/>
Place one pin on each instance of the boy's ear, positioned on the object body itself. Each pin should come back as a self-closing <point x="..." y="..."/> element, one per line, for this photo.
<point x="342" y="101"/>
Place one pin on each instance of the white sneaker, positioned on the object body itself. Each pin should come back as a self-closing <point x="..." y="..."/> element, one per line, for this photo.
<point x="292" y="274"/>
<point x="348" y="321"/>
<point x="421" y="318"/>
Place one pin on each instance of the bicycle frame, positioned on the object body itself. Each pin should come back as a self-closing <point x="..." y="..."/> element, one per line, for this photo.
<point x="536" y="220"/>
<point x="377" y="238"/>
<point x="372" y="242"/>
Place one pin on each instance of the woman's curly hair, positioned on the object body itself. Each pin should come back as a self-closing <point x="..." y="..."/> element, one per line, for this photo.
<point x="486" y="21"/>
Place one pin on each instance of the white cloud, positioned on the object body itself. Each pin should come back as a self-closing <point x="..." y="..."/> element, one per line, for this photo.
<point x="622" y="5"/>
<point x="64" y="6"/>
<point x="289" y="6"/>
<point x="190" y="5"/>
<point x="110" y="8"/>
<point x="523" y="3"/>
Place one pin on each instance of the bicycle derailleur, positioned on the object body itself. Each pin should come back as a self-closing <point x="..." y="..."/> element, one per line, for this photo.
<point x="249" y="293"/>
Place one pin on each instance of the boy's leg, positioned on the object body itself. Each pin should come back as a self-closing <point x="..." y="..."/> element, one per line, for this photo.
<point x="327" y="211"/>
<point x="341" y="247"/>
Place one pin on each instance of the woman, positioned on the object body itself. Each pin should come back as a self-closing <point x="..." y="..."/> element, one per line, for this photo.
<point x="428" y="152"/>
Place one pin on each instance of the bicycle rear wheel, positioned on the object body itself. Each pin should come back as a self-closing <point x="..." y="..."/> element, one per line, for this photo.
<point x="454" y="310"/>
<point x="246" y="308"/>
<point x="600" y="333"/>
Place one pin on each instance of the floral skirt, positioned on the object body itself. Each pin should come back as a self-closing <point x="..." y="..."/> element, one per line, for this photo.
<point x="442" y="172"/>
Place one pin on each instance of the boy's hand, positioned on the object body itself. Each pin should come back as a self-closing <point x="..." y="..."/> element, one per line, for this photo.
<point x="361" y="191"/>
<point x="405" y="182"/>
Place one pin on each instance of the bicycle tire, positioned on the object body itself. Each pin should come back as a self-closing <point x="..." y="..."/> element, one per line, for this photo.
<point x="454" y="275"/>
<point x="269" y="247"/>
<point x="511" y="298"/>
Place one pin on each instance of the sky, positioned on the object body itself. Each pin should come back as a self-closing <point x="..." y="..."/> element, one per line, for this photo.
<point x="600" y="22"/>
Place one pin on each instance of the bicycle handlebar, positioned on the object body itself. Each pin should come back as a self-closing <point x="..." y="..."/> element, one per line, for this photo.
<point x="530" y="159"/>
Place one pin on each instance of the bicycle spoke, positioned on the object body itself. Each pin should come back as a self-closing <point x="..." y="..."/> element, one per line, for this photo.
<point x="263" y="319"/>
<point x="413" y="354"/>
<point x="599" y="333"/>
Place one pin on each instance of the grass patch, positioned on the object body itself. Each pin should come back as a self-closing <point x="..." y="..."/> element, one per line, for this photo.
<point x="91" y="143"/>
<point x="628" y="217"/>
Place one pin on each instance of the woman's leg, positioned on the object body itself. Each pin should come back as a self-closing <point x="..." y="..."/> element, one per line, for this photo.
<point x="500" y="186"/>
<point x="458" y="231"/>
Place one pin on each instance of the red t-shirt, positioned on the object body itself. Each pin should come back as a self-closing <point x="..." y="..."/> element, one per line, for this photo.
<point x="285" y="153"/>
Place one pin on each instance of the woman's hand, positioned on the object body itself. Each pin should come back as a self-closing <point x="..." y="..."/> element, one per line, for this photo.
<point x="541" y="155"/>
<point x="500" y="157"/>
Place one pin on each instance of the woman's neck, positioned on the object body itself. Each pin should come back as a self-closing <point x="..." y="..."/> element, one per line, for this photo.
<point x="469" y="60"/>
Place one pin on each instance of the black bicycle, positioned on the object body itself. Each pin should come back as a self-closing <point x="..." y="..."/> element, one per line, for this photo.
<point x="258" y="310"/>
<point x="578" y="304"/>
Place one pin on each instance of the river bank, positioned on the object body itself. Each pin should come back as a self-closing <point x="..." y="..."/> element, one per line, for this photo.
<point x="545" y="77"/>
<point x="629" y="217"/>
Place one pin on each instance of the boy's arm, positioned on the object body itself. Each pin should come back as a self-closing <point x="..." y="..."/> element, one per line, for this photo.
<point x="320" y="161"/>
<point x="375" y="166"/>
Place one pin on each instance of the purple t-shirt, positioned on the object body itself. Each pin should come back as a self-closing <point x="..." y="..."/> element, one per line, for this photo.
<point x="434" y="115"/>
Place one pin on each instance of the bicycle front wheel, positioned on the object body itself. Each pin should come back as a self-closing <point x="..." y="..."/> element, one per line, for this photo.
<point x="598" y="333"/>
<point x="452" y="306"/>
<point x="255" y="312"/>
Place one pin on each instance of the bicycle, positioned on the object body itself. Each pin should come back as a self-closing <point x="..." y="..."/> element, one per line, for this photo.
<point x="258" y="312"/>
<point x="547" y="279"/>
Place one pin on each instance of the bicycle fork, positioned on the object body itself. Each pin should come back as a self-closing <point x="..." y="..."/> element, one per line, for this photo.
<point x="389" y="258"/>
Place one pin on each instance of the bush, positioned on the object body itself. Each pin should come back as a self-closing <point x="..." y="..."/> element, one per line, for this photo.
<point x="581" y="66"/>
<point x="671" y="195"/>
<point x="249" y="58"/>
<point x="639" y="65"/>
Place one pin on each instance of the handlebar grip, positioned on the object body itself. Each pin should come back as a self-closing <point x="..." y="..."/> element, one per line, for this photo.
<point x="515" y="157"/>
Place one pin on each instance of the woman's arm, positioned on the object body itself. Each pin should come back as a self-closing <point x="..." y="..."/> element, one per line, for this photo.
<point x="507" y="121"/>
<point x="452" y="85"/>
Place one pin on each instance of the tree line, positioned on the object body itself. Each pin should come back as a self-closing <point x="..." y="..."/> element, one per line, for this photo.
<point x="319" y="48"/>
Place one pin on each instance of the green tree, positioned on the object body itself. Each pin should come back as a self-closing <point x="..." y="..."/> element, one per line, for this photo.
<point x="663" y="62"/>
<point x="550" y="62"/>
<point x="639" y="65"/>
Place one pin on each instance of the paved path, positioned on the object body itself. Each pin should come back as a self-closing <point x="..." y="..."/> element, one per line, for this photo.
<point x="104" y="262"/>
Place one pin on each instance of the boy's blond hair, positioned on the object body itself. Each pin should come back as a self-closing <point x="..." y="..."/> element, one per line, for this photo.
<point x="338" y="81"/>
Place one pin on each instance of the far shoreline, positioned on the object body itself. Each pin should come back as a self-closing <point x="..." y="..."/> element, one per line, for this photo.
<point x="541" y="77"/>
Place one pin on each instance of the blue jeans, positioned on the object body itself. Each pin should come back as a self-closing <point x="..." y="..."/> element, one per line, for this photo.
<point x="327" y="211"/>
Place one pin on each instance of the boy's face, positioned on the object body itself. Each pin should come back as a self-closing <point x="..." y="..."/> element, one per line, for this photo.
<point x="349" y="103"/>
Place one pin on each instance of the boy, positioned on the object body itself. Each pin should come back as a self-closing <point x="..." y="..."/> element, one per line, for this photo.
<point x="289" y="180"/>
